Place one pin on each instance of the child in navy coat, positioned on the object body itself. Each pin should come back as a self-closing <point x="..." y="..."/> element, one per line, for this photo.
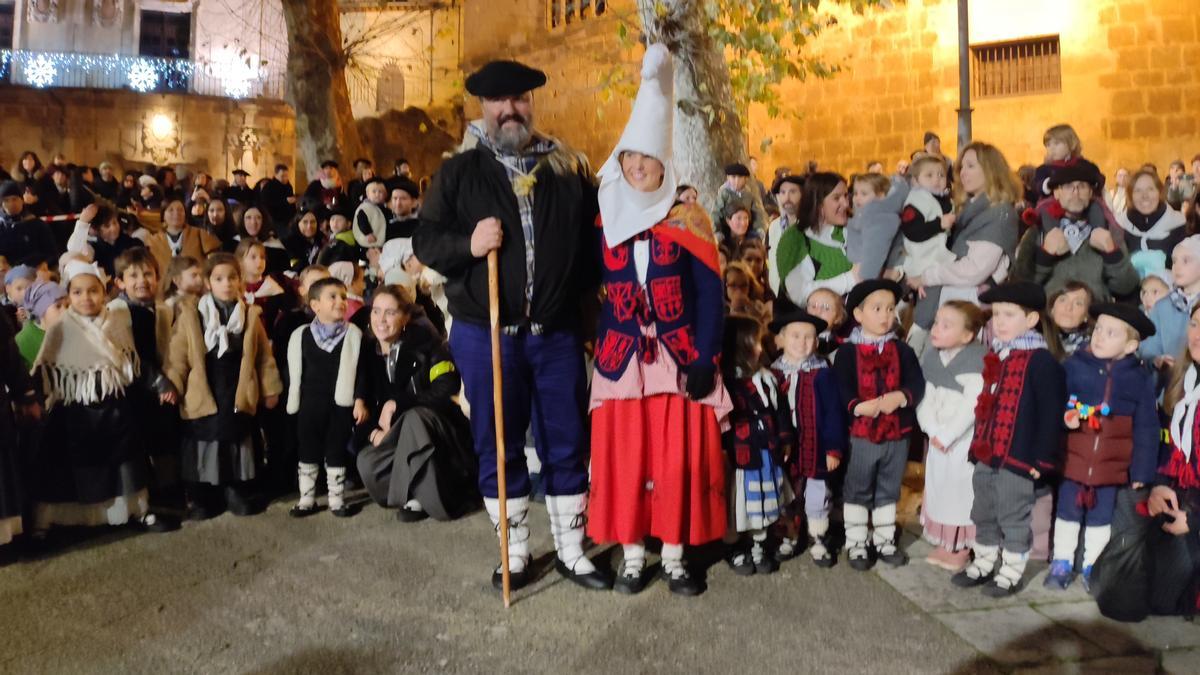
<point x="1113" y="437"/>
<point x="1018" y="437"/>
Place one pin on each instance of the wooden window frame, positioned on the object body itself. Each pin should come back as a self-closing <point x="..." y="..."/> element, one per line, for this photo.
<point x="1024" y="67"/>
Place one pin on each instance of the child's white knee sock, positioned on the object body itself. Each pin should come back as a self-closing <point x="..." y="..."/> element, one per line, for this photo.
<point x="1066" y="538"/>
<point x="335" y="480"/>
<point x="634" y="559"/>
<point x="984" y="562"/>
<point x="672" y="558"/>
<point x="855" y="518"/>
<point x="307" y="475"/>
<point x="818" y="528"/>
<point x="883" y="529"/>
<point x="1012" y="568"/>
<point x="1094" y="541"/>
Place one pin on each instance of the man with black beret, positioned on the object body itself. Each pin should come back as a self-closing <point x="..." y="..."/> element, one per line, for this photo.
<point x="881" y="384"/>
<point x="24" y="240"/>
<point x="787" y="190"/>
<point x="240" y="191"/>
<point x="533" y="200"/>
<point x="1075" y="240"/>
<point x="1113" y="439"/>
<point x="737" y="189"/>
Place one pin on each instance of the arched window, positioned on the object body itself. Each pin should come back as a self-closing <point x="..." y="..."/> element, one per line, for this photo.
<point x="389" y="90"/>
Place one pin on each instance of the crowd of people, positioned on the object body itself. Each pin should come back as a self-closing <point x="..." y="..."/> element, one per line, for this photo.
<point x="761" y="373"/>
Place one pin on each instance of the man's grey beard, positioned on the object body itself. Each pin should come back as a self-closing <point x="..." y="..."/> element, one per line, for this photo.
<point x="511" y="141"/>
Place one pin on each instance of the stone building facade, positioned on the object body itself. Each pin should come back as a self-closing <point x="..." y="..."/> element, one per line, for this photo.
<point x="1129" y="72"/>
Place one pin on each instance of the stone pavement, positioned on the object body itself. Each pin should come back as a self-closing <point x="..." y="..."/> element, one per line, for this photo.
<point x="270" y="594"/>
<point x="1038" y="630"/>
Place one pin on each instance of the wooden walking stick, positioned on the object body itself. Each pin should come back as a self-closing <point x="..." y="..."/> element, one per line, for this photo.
<point x="498" y="411"/>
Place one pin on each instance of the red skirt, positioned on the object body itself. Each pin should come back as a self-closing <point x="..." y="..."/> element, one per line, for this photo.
<point x="657" y="470"/>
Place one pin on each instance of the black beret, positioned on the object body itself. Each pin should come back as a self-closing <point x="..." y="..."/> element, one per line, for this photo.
<point x="241" y="172"/>
<point x="328" y="163"/>
<point x="1027" y="294"/>
<point x="408" y="186"/>
<point x="865" y="288"/>
<point x="793" y="314"/>
<point x="737" y="169"/>
<point x="798" y="181"/>
<point x="1082" y="171"/>
<point x="375" y="179"/>
<point x="1127" y="313"/>
<point x="504" y="78"/>
<point x="10" y="188"/>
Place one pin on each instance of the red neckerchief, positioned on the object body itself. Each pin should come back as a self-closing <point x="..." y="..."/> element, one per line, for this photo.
<point x="996" y="408"/>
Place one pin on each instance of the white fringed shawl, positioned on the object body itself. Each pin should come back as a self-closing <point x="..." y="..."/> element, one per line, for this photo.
<point x="88" y="359"/>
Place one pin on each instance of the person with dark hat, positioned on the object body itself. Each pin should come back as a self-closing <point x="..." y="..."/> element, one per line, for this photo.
<point x="1075" y="240"/>
<point x="1113" y="439"/>
<point x="240" y="191"/>
<point x="1018" y="437"/>
<point x="808" y="385"/>
<point x="533" y="200"/>
<point x="881" y="384"/>
<point x="24" y="240"/>
<point x="737" y="189"/>
<point x="404" y="197"/>
<point x="787" y="190"/>
<point x="327" y="187"/>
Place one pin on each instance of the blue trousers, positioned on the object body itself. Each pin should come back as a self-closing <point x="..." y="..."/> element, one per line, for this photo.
<point x="1098" y="515"/>
<point x="544" y="382"/>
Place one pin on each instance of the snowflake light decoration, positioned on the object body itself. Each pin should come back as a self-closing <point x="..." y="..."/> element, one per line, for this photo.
<point x="142" y="76"/>
<point x="41" y="72"/>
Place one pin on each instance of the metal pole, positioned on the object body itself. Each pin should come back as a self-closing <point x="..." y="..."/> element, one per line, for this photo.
<point x="964" y="77"/>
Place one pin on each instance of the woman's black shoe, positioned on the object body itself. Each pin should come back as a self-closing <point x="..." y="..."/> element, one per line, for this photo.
<point x="594" y="580"/>
<point x="741" y="563"/>
<point x="631" y="584"/>
<point x="680" y="582"/>
<point x="410" y="515"/>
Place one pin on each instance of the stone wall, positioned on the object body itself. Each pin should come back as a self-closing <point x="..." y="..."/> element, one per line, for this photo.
<point x="1125" y="84"/>
<point x="91" y="125"/>
<point x="1126" y="80"/>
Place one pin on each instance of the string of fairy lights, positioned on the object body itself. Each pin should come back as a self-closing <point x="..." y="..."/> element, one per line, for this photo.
<point x="139" y="73"/>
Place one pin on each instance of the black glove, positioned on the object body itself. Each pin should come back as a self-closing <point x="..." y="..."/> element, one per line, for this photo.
<point x="700" y="381"/>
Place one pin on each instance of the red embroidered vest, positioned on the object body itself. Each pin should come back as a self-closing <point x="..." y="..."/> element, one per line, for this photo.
<point x="996" y="408"/>
<point x="878" y="374"/>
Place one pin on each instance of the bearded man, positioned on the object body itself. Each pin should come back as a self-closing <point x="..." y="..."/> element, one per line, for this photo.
<point x="533" y="200"/>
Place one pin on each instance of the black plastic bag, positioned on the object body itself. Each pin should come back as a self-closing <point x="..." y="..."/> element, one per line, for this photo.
<point x="1120" y="579"/>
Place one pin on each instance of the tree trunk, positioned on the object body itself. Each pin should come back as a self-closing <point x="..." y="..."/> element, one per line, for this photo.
<point x="703" y="145"/>
<point x="316" y="72"/>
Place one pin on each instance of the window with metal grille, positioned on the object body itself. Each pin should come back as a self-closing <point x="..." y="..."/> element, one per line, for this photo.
<point x="567" y="12"/>
<point x="1028" y="66"/>
<point x="7" y="21"/>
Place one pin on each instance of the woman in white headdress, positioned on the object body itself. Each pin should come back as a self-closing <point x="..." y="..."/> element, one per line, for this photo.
<point x="657" y="400"/>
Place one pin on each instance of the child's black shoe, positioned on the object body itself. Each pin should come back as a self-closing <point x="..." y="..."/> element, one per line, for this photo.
<point x="741" y="563"/>
<point x="680" y="582"/>
<point x="302" y="511"/>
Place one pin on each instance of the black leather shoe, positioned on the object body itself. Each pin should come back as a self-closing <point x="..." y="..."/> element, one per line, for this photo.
<point x="682" y="583"/>
<point x="155" y="522"/>
<point x="995" y="590"/>
<point x="896" y="558"/>
<point x="964" y="580"/>
<point x="240" y="502"/>
<point x="768" y="565"/>
<point x="345" y="511"/>
<point x="516" y="580"/>
<point x="741" y="563"/>
<point x="628" y="584"/>
<point x="410" y="516"/>
<point x="596" y="581"/>
<point x="298" y="511"/>
<point x="861" y="564"/>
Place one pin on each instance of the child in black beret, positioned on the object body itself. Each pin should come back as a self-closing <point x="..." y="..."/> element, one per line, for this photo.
<point x="1113" y="437"/>
<point x="1018" y="437"/>
<point x="881" y="384"/>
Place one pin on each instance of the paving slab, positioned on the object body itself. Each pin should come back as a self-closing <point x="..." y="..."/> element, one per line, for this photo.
<point x="1019" y="636"/>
